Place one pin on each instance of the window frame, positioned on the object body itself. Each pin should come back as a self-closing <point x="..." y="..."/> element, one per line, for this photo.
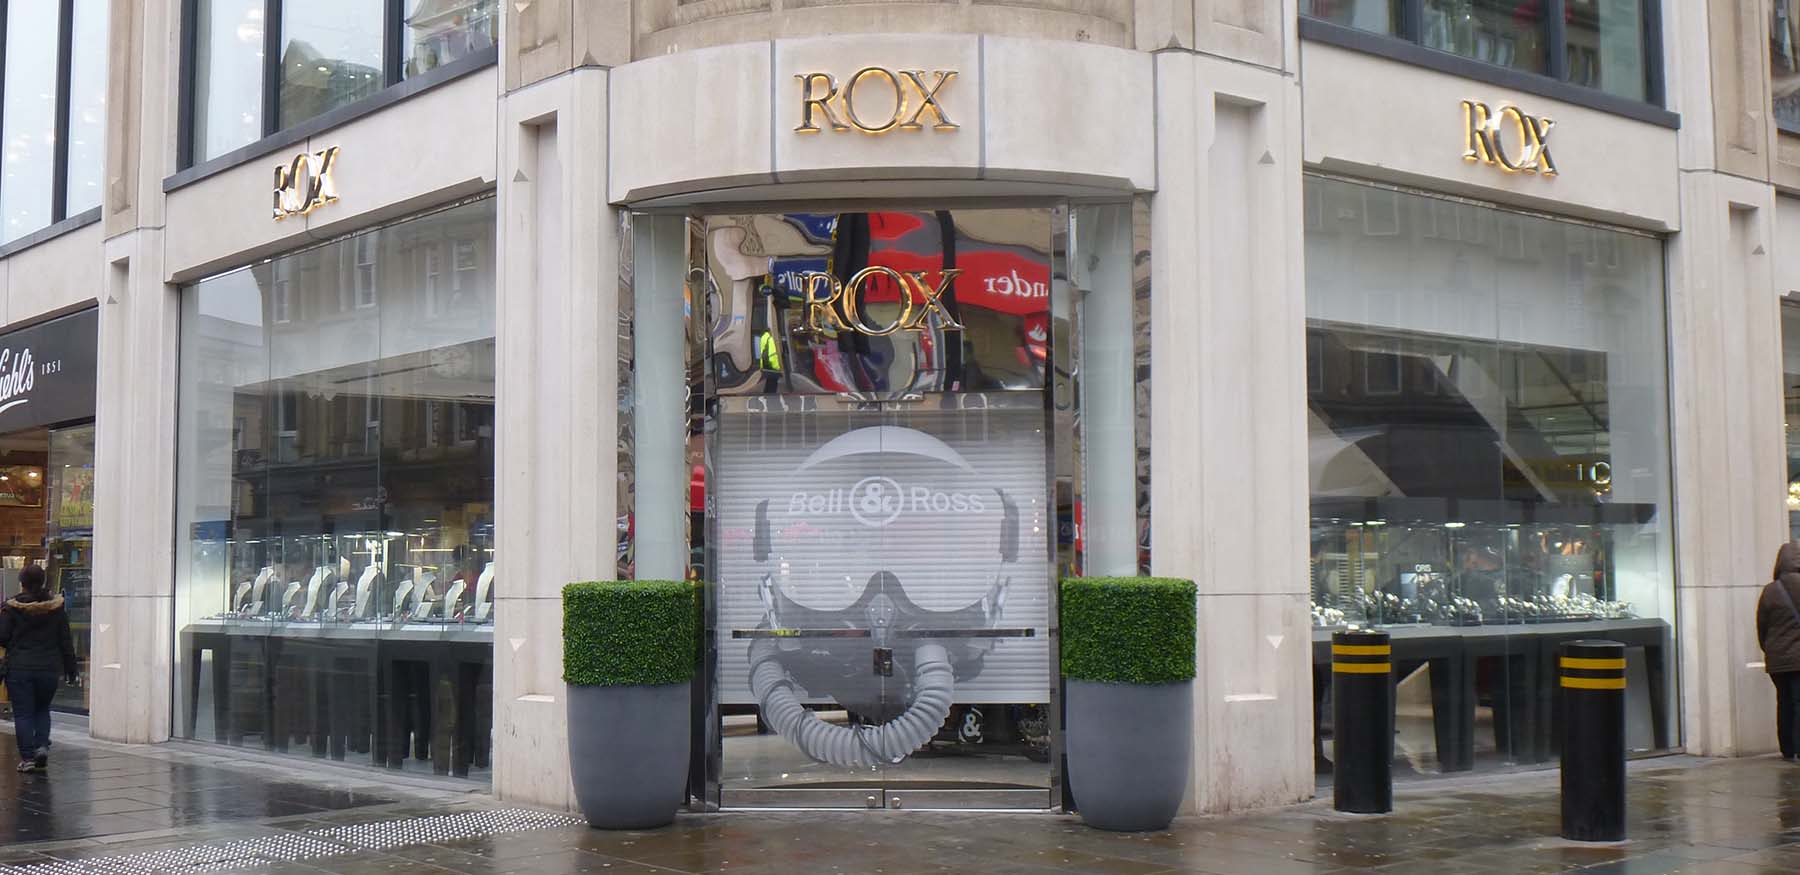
<point x="1781" y="125"/>
<point x="61" y="220"/>
<point x="395" y="86"/>
<point x="1406" y="45"/>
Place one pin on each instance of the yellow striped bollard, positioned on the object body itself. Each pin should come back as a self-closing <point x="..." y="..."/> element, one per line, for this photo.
<point x="1362" y="722"/>
<point x="1591" y="680"/>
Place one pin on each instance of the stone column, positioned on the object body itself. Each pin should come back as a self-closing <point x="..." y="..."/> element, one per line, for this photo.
<point x="134" y="422"/>
<point x="1726" y="410"/>
<point x="557" y="412"/>
<point x="1228" y="460"/>
<point x="1730" y="469"/>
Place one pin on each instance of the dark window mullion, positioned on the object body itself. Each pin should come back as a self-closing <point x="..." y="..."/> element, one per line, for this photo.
<point x="1654" y="86"/>
<point x="59" y="161"/>
<point x="271" y="93"/>
<point x="1556" y="38"/>
<point x="1411" y="26"/>
<point x="3" y="15"/>
<point x="393" y="28"/>
<point x="185" y="147"/>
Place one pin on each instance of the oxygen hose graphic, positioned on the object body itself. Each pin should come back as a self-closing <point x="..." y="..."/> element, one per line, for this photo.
<point x="855" y="746"/>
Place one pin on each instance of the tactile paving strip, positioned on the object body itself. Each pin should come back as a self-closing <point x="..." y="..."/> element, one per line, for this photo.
<point x="240" y="854"/>
<point x="443" y="827"/>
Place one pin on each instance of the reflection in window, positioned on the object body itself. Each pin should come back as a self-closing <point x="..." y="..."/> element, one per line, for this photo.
<point x="87" y="106"/>
<point x="368" y="523"/>
<point x="441" y="31"/>
<point x="1606" y="46"/>
<point x="365" y="271"/>
<point x="228" y="64"/>
<point x="1380" y="16"/>
<point x="28" y="118"/>
<point x="1499" y="32"/>
<point x="1784" y="63"/>
<point x="1489" y="462"/>
<point x="1790" y="390"/>
<point x="330" y="57"/>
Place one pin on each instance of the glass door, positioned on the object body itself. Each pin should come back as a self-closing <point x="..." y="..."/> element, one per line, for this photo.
<point x="877" y="507"/>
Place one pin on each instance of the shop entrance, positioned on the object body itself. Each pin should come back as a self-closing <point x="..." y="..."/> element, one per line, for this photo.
<point x="878" y="507"/>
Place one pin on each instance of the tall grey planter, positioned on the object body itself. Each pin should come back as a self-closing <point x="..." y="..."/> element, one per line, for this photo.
<point x="1129" y="748"/>
<point x="628" y="753"/>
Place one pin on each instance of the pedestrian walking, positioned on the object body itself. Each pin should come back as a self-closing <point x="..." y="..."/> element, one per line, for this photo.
<point x="1778" y="630"/>
<point x="34" y="629"/>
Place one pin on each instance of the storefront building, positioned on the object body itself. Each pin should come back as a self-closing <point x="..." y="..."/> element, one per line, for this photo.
<point x="1457" y="321"/>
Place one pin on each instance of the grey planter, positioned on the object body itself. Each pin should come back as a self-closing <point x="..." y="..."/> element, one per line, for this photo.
<point x="628" y="753"/>
<point x="1129" y="747"/>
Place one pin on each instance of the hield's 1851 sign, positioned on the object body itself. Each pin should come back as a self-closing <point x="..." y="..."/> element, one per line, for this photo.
<point x="912" y="93"/>
<point x="1486" y="132"/>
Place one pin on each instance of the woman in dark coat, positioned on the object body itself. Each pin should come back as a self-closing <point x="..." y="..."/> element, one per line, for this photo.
<point x="1778" y="629"/>
<point x="34" y="629"/>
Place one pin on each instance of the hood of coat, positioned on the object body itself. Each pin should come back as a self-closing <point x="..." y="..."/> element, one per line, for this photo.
<point x="1787" y="560"/>
<point x="35" y="607"/>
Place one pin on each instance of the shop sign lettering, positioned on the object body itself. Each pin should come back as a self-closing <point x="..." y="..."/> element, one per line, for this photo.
<point x="16" y="374"/>
<point x="832" y="304"/>
<point x="1508" y="138"/>
<point x="874" y="100"/>
<point x="305" y="184"/>
<point x="877" y="501"/>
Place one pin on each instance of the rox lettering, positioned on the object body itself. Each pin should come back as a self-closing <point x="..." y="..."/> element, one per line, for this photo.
<point x="305" y="184"/>
<point x="1483" y="140"/>
<point x="820" y="95"/>
<point x="831" y="302"/>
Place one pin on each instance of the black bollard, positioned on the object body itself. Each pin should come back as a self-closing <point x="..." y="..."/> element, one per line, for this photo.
<point x="1593" y="740"/>
<point x="1362" y="722"/>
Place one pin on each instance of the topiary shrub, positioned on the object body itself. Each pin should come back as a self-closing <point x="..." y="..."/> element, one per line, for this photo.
<point x="630" y="632"/>
<point x="1128" y="630"/>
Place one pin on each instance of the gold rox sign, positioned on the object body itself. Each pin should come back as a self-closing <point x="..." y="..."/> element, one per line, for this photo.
<point x="305" y="184"/>
<point x="832" y="304"/>
<point x="874" y="100"/>
<point x="1508" y="138"/>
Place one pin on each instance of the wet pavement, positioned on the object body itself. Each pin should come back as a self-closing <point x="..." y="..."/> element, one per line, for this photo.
<point x="189" y="808"/>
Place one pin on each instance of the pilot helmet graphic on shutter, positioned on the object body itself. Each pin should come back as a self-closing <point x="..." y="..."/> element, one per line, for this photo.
<point x="893" y="653"/>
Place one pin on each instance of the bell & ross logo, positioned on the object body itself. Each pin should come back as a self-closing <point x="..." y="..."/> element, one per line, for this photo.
<point x="876" y="501"/>
<point x="831" y="303"/>
<point x="305" y="184"/>
<point x="1486" y="132"/>
<point x="913" y="92"/>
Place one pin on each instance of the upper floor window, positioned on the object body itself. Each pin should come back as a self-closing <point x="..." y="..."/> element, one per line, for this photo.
<point x="1784" y="64"/>
<point x="261" y="66"/>
<point x="1604" y="45"/>
<point x="52" y="112"/>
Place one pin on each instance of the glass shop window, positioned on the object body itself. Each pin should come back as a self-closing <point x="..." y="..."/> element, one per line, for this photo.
<point x="335" y="597"/>
<point x="1790" y="393"/>
<point x="1489" y="465"/>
